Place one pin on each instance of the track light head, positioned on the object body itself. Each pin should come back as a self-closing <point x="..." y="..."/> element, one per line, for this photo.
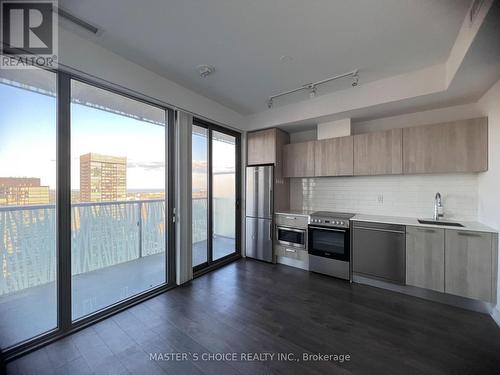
<point x="270" y="103"/>
<point x="355" y="79"/>
<point x="312" y="91"/>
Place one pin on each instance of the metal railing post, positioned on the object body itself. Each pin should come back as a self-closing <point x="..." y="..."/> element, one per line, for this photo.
<point x="139" y="224"/>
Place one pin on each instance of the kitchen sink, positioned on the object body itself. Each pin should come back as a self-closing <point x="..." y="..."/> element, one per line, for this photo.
<point x="439" y="222"/>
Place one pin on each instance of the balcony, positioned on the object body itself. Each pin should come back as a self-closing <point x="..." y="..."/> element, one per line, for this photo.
<point x="117" y="252"/>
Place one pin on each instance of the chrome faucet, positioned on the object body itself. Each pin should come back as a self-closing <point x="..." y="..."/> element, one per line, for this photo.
<point x="438" y="207"/>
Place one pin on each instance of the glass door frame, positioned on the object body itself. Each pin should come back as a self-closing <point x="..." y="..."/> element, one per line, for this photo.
<point x="211" y="264"/>
<point x="65" y="324"/>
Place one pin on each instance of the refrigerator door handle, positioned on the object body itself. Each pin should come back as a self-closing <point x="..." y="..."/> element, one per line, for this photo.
<point x="270" y="231"/>
<point x="270" y="202"/>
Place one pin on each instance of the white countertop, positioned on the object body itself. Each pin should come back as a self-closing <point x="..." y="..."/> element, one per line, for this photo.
<point x="467" y="225"/>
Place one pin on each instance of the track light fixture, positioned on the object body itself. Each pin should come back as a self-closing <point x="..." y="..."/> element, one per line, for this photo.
<point x="312" y="91"/>
<point x="355" y="79"/>
<point x="312" y="87"/>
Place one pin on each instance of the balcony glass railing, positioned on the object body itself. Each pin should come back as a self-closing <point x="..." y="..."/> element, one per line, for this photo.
<point x="104" y="234"/>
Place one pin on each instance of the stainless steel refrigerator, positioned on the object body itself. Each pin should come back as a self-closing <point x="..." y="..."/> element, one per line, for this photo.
<point x="259" y="213"/>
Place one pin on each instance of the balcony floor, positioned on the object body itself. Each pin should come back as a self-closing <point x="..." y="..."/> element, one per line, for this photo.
<point x="33" y="311"/>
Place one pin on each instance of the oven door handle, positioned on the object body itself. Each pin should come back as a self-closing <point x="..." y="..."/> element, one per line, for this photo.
<point x="328" y="229"/>
<point x="291" y="229"/>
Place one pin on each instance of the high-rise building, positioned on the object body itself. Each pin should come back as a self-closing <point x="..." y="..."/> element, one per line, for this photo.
<point x="22" y="191"/>
<point x="102" y="178"/>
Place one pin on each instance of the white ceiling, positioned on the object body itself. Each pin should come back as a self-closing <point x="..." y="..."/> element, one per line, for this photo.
<point x="244" y="40"/>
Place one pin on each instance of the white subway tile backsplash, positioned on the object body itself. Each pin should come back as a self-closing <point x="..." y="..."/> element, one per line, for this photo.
<point x="405" y="195"/>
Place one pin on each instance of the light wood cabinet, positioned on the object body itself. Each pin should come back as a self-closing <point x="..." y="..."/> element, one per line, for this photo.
<point x="378" y="153"/>
<point x="265" y="147"/>
<point x="298" y="159"/>
<point x="261" y="147"/>
<point x="281" y="184"/>
<point x="459" y="146"/>
<point x="425" y="257"/>
<point x="470" y="264"/>
<point x="334" y="157"/>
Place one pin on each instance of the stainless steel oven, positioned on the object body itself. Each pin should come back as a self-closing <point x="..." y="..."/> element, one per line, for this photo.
<point x="292" y="237"/>
<point x="329" y="244"/>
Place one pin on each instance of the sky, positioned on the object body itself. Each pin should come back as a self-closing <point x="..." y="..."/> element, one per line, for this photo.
<point x="28" y="141"/>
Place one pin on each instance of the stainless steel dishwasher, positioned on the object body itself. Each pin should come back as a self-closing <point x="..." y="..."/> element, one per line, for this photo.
<point x="379" y="251"/>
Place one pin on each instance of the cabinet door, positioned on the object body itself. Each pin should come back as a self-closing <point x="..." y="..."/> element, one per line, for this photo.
<point x="298" y="159"/>
<point x="460" y="146"/>
<point x="425" y="258"/>
<point x="378" y="153"/>
<point x="469" y="264"/>
<point x="281" y="184"/>
<point x="261" y="147"/>
<point x="334" y="157"/>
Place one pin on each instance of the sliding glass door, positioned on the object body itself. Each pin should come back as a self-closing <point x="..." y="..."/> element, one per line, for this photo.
<point x="85" y="212"/>
<point x="215" y="173"/>
<point x="200" y="195"/>
<point x="28" y="136"/>
<point x="224" y="159"/>
<point x="118" y="159"/>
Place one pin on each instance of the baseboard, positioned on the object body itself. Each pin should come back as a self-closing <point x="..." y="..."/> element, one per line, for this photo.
<point x="495" y="314"/>
<point x="449" y="299"/>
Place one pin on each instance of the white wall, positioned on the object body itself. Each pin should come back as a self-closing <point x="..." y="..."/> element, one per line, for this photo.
<point x="410" y="196"/>
<point x="82" y="55"/>
<point x="489" y="182"/>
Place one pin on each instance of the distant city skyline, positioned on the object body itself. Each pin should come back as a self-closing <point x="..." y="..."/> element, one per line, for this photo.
<point x="29" y="139"/>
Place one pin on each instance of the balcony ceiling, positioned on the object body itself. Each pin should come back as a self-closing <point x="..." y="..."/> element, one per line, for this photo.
<point x="244" y="40"/>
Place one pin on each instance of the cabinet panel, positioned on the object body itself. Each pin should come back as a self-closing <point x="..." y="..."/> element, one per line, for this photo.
<point x="281" y="184"/>
<point x="378" y="153"/>
<point x="425" y="258"/>
<point x="459" y="146"/>
<point x="334" y="157"/>
<point x="261" y="147"/>
<point x="283" y="251"/>
<point x="469" y="264"/>
<point x="298" y="159"/>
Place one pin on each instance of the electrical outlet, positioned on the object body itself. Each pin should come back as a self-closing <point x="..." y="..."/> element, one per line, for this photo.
<point x="380" y="198"/>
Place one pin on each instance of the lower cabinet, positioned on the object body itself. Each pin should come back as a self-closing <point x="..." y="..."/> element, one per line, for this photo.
<point x="425" y="258"/>
<point x="459" y="262"/>
<point x="290" y="252"/>
<point x="469" y="264"/>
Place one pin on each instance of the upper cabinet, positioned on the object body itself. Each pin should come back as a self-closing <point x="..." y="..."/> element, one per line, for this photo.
<point x="298" y="159"/>
<point x="334" y="157"/>
<point x="459" y="146"/>
<point x="378" y="153"/>
<point x="261" y="147"/>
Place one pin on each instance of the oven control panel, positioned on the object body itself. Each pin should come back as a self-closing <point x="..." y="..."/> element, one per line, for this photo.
<point x="330" y="222"/>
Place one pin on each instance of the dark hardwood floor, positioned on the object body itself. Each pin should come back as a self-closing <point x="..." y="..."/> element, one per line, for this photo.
<point x="253" y="307"/>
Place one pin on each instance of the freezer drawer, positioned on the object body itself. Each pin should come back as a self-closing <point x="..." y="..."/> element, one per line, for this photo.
<point x="259" y="192"/>
<point x="259" y="239"/>
<point x="379" y="251"/>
